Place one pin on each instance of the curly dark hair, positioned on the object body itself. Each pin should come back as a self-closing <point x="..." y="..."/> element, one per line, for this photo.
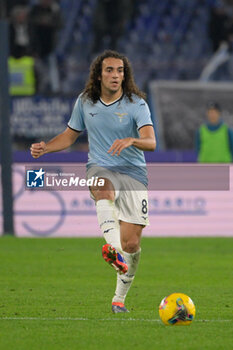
<point x="92" y="89"/>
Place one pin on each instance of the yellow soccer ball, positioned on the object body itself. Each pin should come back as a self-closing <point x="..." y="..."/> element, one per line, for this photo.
<point x="177" y="309"/>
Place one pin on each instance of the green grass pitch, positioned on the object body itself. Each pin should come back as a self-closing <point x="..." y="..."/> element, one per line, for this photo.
<point x="56" y="294"/>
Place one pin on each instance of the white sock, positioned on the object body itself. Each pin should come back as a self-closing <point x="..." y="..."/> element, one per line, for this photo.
<point x="108" y="221"/>
<point x="124" y="281"/>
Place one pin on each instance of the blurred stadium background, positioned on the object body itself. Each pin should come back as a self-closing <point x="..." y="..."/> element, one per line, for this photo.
<point x="181" y="53"/>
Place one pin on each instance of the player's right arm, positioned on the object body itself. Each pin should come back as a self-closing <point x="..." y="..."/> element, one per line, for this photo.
<point x="58" y="143"/>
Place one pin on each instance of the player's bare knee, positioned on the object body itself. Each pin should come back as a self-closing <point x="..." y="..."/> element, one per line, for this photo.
<point x="131" y="246"/>
<point x="109" y="195"/>
<point x="103" y="192"/>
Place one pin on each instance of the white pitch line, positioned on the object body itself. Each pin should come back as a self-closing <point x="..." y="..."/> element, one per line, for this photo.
<point x="92" y="319"/>
<point x="77" y="319"/>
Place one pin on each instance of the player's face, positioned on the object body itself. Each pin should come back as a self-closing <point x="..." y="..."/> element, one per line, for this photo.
<point x="112" y="75"/>
<point x="213" y="116"/>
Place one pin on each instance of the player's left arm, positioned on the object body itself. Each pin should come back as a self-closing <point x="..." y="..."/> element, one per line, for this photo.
<point x="145" y="142"/>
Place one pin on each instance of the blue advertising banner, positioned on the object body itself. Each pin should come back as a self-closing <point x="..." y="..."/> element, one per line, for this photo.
<point x="35" y="117"/>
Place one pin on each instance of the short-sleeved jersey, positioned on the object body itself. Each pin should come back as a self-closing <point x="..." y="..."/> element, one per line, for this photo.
<point x="106" y="123"/>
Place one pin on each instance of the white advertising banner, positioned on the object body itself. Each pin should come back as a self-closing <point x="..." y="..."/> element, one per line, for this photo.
<point x="72" y="213"/>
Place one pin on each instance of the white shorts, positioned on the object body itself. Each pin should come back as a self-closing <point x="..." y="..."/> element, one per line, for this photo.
<point x="132" y="201"/>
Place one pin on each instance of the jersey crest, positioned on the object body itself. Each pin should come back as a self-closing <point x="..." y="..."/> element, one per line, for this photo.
<point x="121" y="116"/>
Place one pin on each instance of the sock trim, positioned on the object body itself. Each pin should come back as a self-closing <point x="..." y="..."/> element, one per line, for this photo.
<point x="118" y="304"/>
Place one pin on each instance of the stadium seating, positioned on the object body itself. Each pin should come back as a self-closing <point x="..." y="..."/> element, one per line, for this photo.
<point x="164" y="40"/>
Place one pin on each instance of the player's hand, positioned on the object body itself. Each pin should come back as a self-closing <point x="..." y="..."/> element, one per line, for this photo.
<point x="120" y="144"/>
<point x="38" y="149"/>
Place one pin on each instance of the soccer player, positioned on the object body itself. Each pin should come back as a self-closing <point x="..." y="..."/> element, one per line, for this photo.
<point x="113" y="111"/>
<point x="214" y="138"/>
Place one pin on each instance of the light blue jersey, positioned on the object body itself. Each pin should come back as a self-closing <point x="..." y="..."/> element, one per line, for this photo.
<point x="106" y="123"/>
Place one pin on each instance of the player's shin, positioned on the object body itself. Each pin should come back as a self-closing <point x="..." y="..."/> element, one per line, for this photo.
<point x="108" y="222"/>
<point x="124" y="282"/>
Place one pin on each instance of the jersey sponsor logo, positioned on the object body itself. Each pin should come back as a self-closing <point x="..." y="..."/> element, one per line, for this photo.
<point x="121" y="116"/>
<point x="142" y="104"/>
<point x="93" y="114"/>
